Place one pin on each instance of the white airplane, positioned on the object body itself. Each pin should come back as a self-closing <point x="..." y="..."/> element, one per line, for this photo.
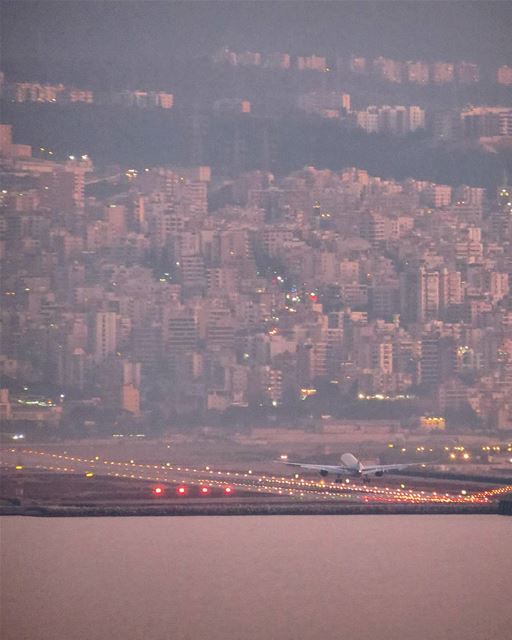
<point x="350" y="467"/>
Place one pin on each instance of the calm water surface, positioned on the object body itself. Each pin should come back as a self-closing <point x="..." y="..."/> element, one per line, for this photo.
<point x="257" y="578"/>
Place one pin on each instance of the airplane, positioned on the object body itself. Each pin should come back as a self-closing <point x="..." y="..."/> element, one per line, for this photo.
<point x="350" y="467"/>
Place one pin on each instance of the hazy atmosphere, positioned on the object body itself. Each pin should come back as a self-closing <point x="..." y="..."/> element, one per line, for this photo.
<point x="255" y="263"/>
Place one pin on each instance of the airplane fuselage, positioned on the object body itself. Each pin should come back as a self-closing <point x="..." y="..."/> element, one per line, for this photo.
<point x="350" y="467"/>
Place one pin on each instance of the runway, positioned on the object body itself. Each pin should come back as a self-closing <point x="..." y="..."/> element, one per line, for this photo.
<point x="239" y="483"/>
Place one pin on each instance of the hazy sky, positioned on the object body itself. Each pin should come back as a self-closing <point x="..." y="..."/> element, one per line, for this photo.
<point x="76" y="32"/>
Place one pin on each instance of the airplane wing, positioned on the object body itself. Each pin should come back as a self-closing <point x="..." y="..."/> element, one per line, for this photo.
<point x="389" y="467"/>
<point x="330" y="468"/>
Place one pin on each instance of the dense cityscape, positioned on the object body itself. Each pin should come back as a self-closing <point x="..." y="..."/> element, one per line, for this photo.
<point x="142" y="298"/>
<point x="174" y="295"/>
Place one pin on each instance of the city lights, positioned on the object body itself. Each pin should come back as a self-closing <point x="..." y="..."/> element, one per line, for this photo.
<point x="330" y="305"/>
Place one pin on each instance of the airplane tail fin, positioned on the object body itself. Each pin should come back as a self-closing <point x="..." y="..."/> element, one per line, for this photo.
<point x="349" y="460"/>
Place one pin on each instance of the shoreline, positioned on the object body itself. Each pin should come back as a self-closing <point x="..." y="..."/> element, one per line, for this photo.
<point x="238" y="509"/>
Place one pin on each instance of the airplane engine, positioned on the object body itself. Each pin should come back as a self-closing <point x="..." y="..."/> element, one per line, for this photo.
<point x="324" y="473"/>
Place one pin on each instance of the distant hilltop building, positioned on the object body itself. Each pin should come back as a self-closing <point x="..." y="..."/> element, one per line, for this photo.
<point x="58" y="184"/>
<point x="268" y="61"/>
<point x="324" y="102"/>
<point x="243" y="59"/>
<point x="391" y="119"/>
<point x="486" y="122"/>
<point x="277" y="61"/>
<point x="144" y="99"/>
<point x="273" y="60"/>
<point x="388" y="70"/>
<point x="37" y="92"/>
<point x="232" y="105"/>
<point x="79" y="95"/>
<point x="442" y="72"/>
<point x="467" y="72"/>
<point x="10" y="150"/>
<point x="63" y="94"/>
<point x="311" y="63"/>
<point x="225" y="56"/>
<point x="418" y="72"/>
<point x="504" y="75"/>
<point x="249" y="59"/>
<point x="422" y="73"/>
<point x="357" y="64"/>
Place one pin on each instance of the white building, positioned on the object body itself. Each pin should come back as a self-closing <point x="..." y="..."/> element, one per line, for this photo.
<point x="105" y="335"/>
<point x="395" y="119"/>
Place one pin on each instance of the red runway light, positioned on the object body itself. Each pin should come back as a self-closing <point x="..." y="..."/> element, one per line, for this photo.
<point x="228" y="491"/>
<point x="205" y="491"/>
<point x="158" y="491"/>
<point x="182" y="490"/>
